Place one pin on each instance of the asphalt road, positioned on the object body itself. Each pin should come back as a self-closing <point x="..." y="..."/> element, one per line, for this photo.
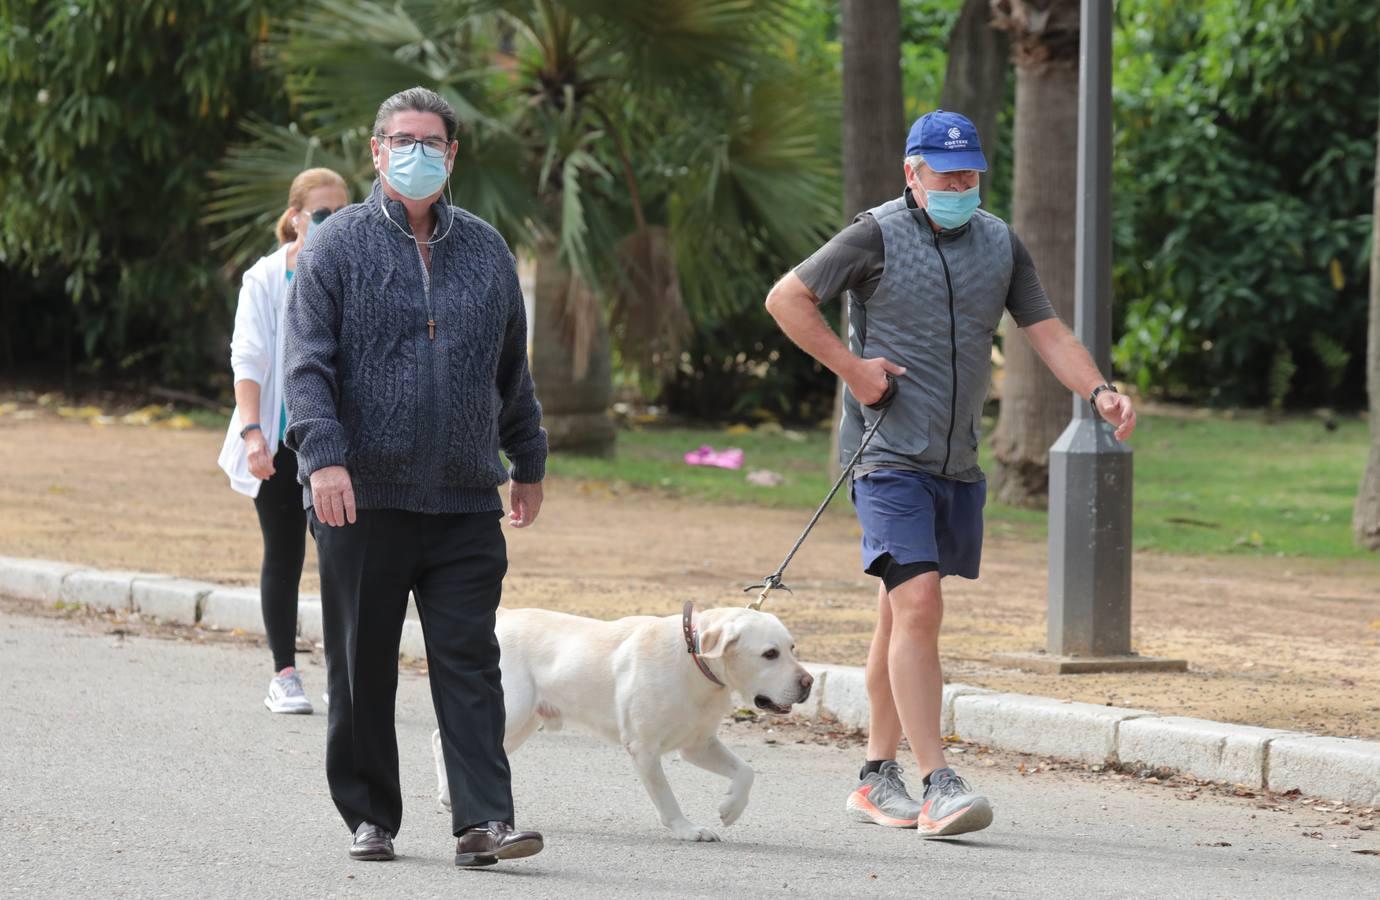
<point x="138" y="766"/>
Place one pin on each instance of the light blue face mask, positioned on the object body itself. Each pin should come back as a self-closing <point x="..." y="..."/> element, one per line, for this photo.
<point x="414" y="174"/>
<point x="951" y="209"/>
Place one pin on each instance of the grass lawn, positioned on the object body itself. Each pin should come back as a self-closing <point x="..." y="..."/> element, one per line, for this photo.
<point x="1208" y="485"/>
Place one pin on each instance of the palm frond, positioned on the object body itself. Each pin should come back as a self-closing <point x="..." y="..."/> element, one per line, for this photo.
<point x="763" y="188"/>
<point x="673" y="41"/>
<point x="253" y="179"/>
<point x="342" y="58"/>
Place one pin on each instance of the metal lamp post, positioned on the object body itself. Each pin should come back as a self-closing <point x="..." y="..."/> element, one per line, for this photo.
<point x="1089" y="470"/>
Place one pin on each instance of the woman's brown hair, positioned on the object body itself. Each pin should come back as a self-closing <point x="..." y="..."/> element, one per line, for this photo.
<point x="305" y="182"/>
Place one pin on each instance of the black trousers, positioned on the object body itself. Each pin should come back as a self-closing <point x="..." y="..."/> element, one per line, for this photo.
<point x="454" y="564"/>
<point x="284" y="525"/>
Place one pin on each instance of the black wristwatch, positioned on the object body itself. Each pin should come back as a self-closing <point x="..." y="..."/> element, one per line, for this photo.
<point x="1092" y="398"/>
<point x="255" y="427"/>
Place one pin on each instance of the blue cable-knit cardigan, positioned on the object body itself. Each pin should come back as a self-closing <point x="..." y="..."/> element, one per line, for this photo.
<point x="417" y="421"/>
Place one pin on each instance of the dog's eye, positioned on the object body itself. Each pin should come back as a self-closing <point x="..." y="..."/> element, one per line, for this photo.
<point x="771" y="654"/>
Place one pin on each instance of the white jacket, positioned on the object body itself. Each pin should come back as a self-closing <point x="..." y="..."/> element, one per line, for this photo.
<point x="256" y="354"/>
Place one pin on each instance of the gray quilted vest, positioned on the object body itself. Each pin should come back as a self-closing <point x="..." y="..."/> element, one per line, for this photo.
<point x="934" y="311"/>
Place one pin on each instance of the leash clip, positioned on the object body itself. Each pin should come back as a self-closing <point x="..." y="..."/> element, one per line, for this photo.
<point x="772" y="583"/>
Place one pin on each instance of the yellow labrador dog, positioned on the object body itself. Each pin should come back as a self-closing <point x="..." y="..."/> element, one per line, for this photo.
<point x="651" y="685"/>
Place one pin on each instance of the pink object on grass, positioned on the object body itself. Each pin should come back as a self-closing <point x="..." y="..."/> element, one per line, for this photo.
<point x="700" y="457"/>
<point x="732" y="458"/>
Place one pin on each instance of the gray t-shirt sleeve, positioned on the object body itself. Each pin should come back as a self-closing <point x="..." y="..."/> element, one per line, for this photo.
<point x="852" y="260"/>
<point x="1026" y="299"/>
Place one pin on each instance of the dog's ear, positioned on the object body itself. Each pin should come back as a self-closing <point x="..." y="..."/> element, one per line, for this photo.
<point x="716" y="636"/>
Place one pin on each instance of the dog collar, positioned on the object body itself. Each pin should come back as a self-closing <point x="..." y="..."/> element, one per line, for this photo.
<point x="692" y="642"/>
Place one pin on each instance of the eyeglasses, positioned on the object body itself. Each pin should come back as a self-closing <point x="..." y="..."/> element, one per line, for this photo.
<point x="321" y="215"/>
<point x="433" y="147"/>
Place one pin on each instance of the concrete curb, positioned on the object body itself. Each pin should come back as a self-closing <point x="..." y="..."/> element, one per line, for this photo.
<point x="229" y="608"/>
<point x="1327" y="767"/>
<point x="104" y="590"/>
<point x="1260" y="758"/>
<point x="34" y="579"/>
<point x="170" y="599"/>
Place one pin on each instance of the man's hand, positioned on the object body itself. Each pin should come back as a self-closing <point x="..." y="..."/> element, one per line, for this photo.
<point x="1116" y="409"/>
<point x="333" y="496"/>
<point x="260" y="462"/>
<point x="525" y="500"/>
<point x="867" y="380"/>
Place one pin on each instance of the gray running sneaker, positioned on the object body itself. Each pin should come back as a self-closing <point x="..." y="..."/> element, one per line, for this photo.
<point x="950" y="807"/>
<point x="285" y="694"/>
<point x="881" y="797"/>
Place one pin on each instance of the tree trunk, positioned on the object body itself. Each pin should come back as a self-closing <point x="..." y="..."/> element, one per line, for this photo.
<point x="874" y="138"/>
<point x="975" y="77"/>
<point x="571" y="364"/>
<point x="1035" y="407"/>
<point x="874" y="131"/>
<point x="1366" y="521"/>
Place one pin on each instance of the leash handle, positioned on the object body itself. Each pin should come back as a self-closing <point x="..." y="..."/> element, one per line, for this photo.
<point x="892" y="387"/>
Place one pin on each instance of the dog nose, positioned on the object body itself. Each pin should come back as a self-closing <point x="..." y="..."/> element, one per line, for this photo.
<point x="806" y="680"/>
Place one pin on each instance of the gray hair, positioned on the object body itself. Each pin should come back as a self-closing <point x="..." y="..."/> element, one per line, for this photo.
<point x="915" y="162"/>
<point x="417" y="99"/>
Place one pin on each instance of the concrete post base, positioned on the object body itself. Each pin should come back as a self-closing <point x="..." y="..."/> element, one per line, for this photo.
<point x="1050" y="664"/>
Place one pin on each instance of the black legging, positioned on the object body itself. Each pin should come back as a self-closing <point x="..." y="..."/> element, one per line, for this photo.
<point x="283" y="522"/>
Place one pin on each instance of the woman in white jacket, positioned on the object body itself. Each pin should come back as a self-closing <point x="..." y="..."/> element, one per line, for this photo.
<point x="254" y="456"/>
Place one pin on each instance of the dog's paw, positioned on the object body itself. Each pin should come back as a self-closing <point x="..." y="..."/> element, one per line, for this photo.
<point x="688" y="831"/>
<point x="731" y="809"/>
<point x="444" y="800"/>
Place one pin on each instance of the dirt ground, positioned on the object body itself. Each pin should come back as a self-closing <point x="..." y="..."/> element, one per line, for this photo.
<point x="1276" y="642"/>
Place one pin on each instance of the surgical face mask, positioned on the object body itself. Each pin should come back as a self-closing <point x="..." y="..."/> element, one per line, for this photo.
<point x="414" y="174"/>
<point x="315" y="219"/>
<point x="951" y="209"/>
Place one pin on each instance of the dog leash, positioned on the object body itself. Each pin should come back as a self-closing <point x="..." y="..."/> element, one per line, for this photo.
<point x="773" y="581"/>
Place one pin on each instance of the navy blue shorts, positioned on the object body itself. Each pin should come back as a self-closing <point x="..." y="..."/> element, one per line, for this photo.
<point x="913" y="517"/>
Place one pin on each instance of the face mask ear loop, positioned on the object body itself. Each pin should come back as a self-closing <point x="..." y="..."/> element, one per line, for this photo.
<point x="449" y="225"/>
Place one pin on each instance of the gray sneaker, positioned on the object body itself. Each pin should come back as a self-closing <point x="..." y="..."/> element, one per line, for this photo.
<point x="285" y="695"/>
<point x="881" y="797"/>
<point x="950" y="807"/>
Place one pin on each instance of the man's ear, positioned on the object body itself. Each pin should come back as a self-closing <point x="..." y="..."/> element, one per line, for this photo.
<point x="716" y="636"/>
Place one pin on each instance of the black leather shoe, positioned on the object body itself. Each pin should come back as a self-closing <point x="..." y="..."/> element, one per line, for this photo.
<point x="372" y="843"/>
<point x="484" y="845"/>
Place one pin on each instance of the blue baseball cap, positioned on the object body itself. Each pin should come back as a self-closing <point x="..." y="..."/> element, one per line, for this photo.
<point x="947" y="140"/>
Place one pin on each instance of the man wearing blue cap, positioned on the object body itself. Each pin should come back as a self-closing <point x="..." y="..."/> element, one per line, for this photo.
<point x="928" y="277"/>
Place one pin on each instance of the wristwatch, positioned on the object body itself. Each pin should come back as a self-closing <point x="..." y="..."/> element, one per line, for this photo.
<point x="255" y="426"/>
<point x="1092" y="398"/>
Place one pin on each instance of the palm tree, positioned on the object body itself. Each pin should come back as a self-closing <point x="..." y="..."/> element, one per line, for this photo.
<point x="647" y="156"/>
<point x="1034" y="406"/>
